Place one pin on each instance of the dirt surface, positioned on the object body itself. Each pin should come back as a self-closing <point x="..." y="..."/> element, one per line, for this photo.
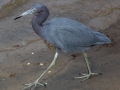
<point x="22" y="54"/>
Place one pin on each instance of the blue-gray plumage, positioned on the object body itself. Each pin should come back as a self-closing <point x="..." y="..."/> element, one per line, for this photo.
<point x="70" y="35"/>
<point x="65" y="34"/>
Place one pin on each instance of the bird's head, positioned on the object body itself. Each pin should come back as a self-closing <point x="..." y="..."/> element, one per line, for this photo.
<point x="35" y="9"/>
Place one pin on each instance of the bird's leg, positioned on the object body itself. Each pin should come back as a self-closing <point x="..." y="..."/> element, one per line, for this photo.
<point x="35" y="83"/>
<point x="86" y="76"/>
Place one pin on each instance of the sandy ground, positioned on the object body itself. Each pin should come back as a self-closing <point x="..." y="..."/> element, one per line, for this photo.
<point x="20" y="64"/>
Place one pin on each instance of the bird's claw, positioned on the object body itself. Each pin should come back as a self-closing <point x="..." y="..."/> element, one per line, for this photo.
<point x="86" y="76"/>
<point x="33" y="85"/>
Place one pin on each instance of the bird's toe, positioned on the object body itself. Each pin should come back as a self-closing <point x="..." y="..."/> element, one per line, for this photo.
<point x="86" y="76"/>
<point x="33" y="85"/>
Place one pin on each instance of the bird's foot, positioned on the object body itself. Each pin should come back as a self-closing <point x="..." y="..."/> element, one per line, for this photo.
<point x="86" y="76"/>
<point x="33" y="85"/>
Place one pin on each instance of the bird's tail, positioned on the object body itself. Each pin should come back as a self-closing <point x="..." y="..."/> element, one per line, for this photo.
<point x="102" y="39"/>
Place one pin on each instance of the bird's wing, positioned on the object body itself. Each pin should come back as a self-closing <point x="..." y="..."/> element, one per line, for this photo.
<point x="74" y="37"/>
<point x="71" y="37"/>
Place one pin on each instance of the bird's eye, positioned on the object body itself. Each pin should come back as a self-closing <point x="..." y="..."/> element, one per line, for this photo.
<point x="34" y="10"/>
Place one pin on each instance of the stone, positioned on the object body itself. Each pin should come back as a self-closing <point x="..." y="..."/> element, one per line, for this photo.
<point x="6" y="6"/>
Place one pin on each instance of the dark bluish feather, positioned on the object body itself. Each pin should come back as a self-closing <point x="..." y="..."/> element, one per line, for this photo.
<point x="70" y="35"/>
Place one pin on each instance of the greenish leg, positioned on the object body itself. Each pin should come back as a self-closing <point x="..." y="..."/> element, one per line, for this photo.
<point x="86" y="76"/>
<point x="36" y="82"/>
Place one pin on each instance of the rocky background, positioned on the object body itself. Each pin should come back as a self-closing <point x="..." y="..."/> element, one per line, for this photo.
<point x="22" y="52"/>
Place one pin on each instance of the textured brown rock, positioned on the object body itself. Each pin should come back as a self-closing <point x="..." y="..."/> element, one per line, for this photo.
<point x="6" y="6"/>
<point x="103" y="14"/>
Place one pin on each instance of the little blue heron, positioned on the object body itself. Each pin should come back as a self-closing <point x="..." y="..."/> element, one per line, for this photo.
<point x="65" y="34"/>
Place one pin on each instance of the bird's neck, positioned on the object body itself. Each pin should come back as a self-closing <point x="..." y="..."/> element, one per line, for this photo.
<point x="38" y="20"/>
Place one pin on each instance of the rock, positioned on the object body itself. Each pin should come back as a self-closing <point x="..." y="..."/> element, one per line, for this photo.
<point x="6" y="6"/>
<point x="101" y="23"/>
<point x="97" y="14"/>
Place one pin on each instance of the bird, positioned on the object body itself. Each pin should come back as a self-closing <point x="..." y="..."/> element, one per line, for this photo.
<point x="65" y="34"/>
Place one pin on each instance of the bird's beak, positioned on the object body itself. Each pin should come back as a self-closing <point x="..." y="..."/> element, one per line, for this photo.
<point x="30" y="11"/>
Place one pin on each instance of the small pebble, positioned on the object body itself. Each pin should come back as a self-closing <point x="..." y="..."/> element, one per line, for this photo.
<point x="41" y="63"/>
<point x="28" y="63"/>
<point x="32" y="53"/>
<point x="49" y="71"/>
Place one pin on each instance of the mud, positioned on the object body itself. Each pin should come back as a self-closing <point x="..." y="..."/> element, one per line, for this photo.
<point x="24" y="56"/>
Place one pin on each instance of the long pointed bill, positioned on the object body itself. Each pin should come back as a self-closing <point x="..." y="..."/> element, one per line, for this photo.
<point x="30" y="11"/>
